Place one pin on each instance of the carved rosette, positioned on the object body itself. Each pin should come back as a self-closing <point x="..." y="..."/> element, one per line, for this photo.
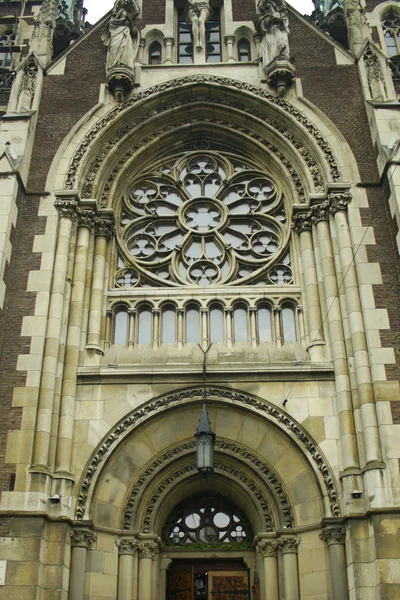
<point x="86" y="218"/>
<point x="333" y="535"/>
<point x="302" y="223"/>
<point x="320" y="212"/>
<point x="104" y="227"/>
<point x="339" y="202"/>
<point x="82" y="538"/>
<point x="148" y="550"/>
<point x="289" y="545"/>
<point x="67" y="209"/>
<point x="127" y="546"/>
<point x="267" y="548"/>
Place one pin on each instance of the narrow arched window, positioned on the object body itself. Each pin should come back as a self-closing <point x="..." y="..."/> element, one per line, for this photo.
<point x="168" y="325"/>
<point x="288" y="324"/>
<point x="121" y="326"/>
<point x="216" y="325"/>
<point x="144" y="326"/>
<point x="240" y="324"/>
<point x="391" y="32"/>
<point x="192" y="325"/>
<point x="244" y="53"/>
<point x="155" y="54"/>
<point x="264" y="324"/>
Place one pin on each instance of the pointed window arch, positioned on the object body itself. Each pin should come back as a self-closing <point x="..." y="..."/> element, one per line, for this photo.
<point x="391" y="31"/>
<point x="244" y="52"/>
<point x="155" y="53"/>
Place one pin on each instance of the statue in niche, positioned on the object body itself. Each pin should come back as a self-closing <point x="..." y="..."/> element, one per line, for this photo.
<point x="123" y="35"/>
<point x="197" y="13"/>
<point x="273" y="24"/>
<point x="355" y="16"/>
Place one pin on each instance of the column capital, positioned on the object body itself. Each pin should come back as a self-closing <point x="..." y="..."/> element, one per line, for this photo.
<point x="277" y="308"/>
<point x="339" y="201"/>
<point x="132" y="312"/>
<point x="229" y="39"/>
<point x="228" y="310"/>
<point x="169" y="41"/>
<point x="67" y="208"/>
<point x="253" y="309"/>
<point x="148" y="549"/>
<point x="127" y="546"/>
<point x="156" y="312"/>
<point x="333" y="535"/>
<point x="267" y="548"/>
<point x="180" y="310"/>
<point x="82" y="538"/>
<point x="302" y="223"/>
<point x="289" y="545"/>
<point x="204" y="310"/>
<point x="104" y="227"/>
<point x="320" y="212"/>
<point x="86" y="218"/>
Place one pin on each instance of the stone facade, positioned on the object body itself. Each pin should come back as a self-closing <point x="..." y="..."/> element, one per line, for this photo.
<point x="221" y="201"/>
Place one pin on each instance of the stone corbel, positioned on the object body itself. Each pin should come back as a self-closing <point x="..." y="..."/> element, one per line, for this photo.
<point x="121" y="81"/>
<point x="280" y="76"/>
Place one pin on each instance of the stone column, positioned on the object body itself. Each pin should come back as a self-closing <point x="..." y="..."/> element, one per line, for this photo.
<point x="290" y="567"/>
<point x="320" y="218"/>
<point x="303" y="225"/>
<point x="156" y="327"/>
<point x="147" y="552"/>
<point x="180" y="313"/>
<point x="228" y="326"/>
<point x="253" y="326"/>
<point x="132" y="314"/>
<point x="67" y="213"/>
<point x="338" y="207"/>
<point x="81" y="539"/>
<point x="126" y="551"/>
<point x="107" y="341"/>
<point x="103" y="231"/>
<point x="142" y="48"/>
<point x="278" y="325"/>
<point x="335" y="537"/>
<point x="300" y="324"/>
<point x="67" y="408"/>
<point x="204" y="312"/>
<point x="168" y="44"/>
<point x="257" y="42"/>
<point x="267" y="549"/>
<point x="230" y="48"/>
<point x="164" y="564"/>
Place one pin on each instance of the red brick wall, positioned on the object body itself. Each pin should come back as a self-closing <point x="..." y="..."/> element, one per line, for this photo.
<point x="66" y="98"/>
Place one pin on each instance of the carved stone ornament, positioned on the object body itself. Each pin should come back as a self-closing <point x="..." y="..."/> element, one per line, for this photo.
<point x="320" y="212"/>
<point x="302" y="223"/>
<point x="67" y="209"/>
<point x="82" y="538"/>
<point x="44" y="24"/>
<point x="339" y="202"/>
<point x="262" y="407"/>
<point x="280" y="77"/>
<point x="333" y="535"/>
<point x="127" y="546"/>
<point x="289" y="545"/>
<point x="148" y="550"/>
<point x="86" y="218"/>
<point x="104" y="227"/>
<point x="374" y="75"/>
<point x="267" y="548"/>
<point x="191" y="80"/>
<point x="26" y="91"/>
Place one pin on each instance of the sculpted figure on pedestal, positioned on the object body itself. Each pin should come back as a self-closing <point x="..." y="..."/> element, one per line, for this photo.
<point x="355" y="17"/>
<point x="273" y="24"/>
<point x="123" y="35"/>
<point x="197" y="13"/>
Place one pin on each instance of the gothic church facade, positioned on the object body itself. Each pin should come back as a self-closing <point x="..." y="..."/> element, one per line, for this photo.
<point x="199" y="211"/>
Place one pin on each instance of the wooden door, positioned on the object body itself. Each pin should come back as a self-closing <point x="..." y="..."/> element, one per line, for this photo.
<point x="179" y="585"/>
<point x="228" y="585"/>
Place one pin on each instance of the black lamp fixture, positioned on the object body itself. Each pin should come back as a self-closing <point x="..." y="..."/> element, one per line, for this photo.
<point x="205" y="438"/>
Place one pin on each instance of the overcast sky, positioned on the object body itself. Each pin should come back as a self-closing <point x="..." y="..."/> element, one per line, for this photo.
<point x="98" y="8"/>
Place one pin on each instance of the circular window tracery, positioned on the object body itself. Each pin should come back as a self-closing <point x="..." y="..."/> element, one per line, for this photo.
<point x="208" y="519"/>
<point x="207" y="219"/>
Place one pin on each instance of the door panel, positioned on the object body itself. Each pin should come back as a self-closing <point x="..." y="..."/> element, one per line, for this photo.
<point x="228" y="585"/>
<point x="179" y="585"/>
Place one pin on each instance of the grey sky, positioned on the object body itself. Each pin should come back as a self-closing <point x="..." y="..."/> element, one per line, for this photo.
<point x="98" y="8"/>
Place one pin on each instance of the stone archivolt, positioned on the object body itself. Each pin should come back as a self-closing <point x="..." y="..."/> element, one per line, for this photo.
<point x="216" y="394"/>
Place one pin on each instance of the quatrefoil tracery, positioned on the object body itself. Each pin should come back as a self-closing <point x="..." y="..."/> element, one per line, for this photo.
<point x="206" y="219"/>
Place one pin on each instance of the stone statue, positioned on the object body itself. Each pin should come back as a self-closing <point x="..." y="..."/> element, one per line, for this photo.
<point x="273" y="24"/>
<point x="197" y="13"/>
<point x="356" y="22"/>
<point x="123" y="35"/>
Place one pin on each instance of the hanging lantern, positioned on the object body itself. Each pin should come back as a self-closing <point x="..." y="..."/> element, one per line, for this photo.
<point x="205" y="439"/>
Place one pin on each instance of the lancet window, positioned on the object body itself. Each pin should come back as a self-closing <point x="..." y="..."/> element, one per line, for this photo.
<point x="391" y="32"/>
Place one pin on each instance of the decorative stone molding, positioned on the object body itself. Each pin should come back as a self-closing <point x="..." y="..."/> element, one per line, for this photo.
<point x="200" y="79"/>
<point x="277" y="309"/>
<point x="339" y="202"/>
<point x="267" y="548"/>
<point x="86" y="218"/>
<point x="333" y="535"/>
<point x="26" y="90"/>
<point x="220" y="394"/>
<point x="302" y="223"/>
<point x="82" y="538"/>
<point x="320" y="212"/>
<point x="226" y="448"/>
<point x="127" y="546"/>
<point x="148" y="550"/>
<point x="289" y="545"/>
<point x="104" y="227"/>
<point x="67" y="209"/>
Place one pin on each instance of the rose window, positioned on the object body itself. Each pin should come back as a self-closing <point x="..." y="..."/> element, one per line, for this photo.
<point x="206" y="219"/>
